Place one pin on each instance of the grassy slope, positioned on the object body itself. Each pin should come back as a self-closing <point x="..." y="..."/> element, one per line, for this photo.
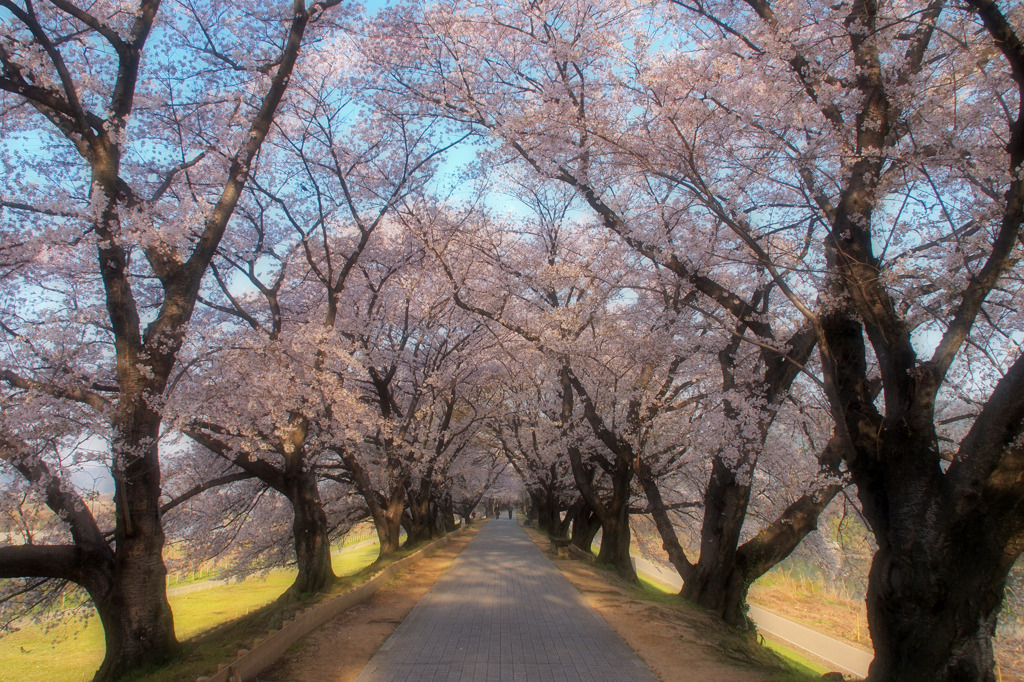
<point x="72" y="651"/>
<point x="801" y="668"/>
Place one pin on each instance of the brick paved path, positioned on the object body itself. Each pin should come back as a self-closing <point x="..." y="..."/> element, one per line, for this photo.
<point x="502" y="611"/>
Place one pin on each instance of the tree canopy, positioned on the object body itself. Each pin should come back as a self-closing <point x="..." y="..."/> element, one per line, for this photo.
<point x="280" y="268"/>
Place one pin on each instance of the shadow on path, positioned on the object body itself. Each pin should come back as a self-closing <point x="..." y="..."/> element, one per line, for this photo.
<point x="503" y="612"/>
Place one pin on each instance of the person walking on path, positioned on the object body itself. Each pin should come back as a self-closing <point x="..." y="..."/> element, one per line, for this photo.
<point x="503" y="612"/>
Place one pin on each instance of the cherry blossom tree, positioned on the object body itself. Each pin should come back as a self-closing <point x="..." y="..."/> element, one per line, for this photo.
<point x="545" y="81"/>
<point x="285" y="309"/>
<point x="220" y="513"/>
<point x="130" y="133"/>
<point x="424" y="369"/>
<point x="526" y="431"/>
<point x="471" y="477"/>
<point x="541" y="282"/>
<point x="902" y="177"/>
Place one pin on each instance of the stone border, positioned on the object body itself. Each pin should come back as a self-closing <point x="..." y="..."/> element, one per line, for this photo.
<point x="267" y="650"/>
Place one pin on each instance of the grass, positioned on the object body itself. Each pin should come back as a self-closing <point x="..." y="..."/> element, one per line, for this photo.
<point x="796" y="660"/>
<point x="202" y="653"/>
<point x="657" y="586"/>
<point x="70" y="651"/>
<point x="73" y="650"/>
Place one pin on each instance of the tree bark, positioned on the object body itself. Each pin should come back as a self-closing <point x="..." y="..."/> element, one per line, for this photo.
<point x="141" y="623"/>
<point x="613" y="514"/>
<point x="714" y="577"/>
<point x="584" y="527"/>
<point x="545" y="509"/>
<point x="309" y="530"/>
<point x="945" y="543"/>
<point x="615" y="538"/>
<point x="929" y="624"/>
<point x="385" y="509"/>
<point x="446" y="514"/>
<point x="387" y="520"/>
<point x="421" y="526"/>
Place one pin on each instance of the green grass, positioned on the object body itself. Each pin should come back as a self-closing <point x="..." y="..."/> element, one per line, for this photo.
<point x="200" y="611"/>
<point x="657" y="585"/>
<point x="72" y="651"/>
<point x="796" y="660"/>
<point x="797" y="668"/>
<point x="202" y="653"/>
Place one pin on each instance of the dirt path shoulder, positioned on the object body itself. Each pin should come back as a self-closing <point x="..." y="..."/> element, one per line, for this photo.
<point x="339" y="650"/>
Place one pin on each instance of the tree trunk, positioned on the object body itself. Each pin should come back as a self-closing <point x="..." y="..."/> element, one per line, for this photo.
<point x="139" y="625"/>
<point x="932" y="615"/>
<point x="420" y="528"/>
<point x="584" y="527"/>
<point x="714" y="582"/>
<point x="532" y="510"/>
<point x="565" y="522"/>
<point x="614" y="514"/>
<point x="388" y="522"/>
<point x="937" y="579"/>
<point x="545" y="511"/>
<point x="615" y="539"/>
<point x="446" y="513"/>
<point x="936" y="582"/>
<point x="309" y="529"/>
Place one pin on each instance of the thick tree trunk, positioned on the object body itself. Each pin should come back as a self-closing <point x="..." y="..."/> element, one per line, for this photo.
<point x="937" y="579"/>
<point x="419" y="528"/>
<point x="723" y="592"/>
<point x="545" y="511"/>
<point x="388" y="522"/>
<point x="615" y="539"/>
<point x="551" y="515"/>
<point x="936" y="582"/>
<point x="714" y="583"/>
<point x="309" y="530"/>
<point x="386" y="510"/>
<point x="613" y="514"/>
<point x="420" y="523"/>
<point x="446" y="514"/>
<point x="584" y="528"/>
<point x="127" y="623"/>
<point x="933" y="617"/>
<point x="532" y="510"/>
<point x="139" y="625"/>
<point x="565" y="522"/>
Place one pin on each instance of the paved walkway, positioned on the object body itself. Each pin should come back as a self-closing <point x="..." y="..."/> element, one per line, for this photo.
<point x="502" y="611"/>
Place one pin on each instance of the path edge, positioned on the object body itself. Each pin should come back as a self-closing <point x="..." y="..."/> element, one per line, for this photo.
<point x="267" y="650"/>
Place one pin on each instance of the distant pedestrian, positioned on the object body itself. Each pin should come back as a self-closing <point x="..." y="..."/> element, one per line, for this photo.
<point x="510" y="512"/>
